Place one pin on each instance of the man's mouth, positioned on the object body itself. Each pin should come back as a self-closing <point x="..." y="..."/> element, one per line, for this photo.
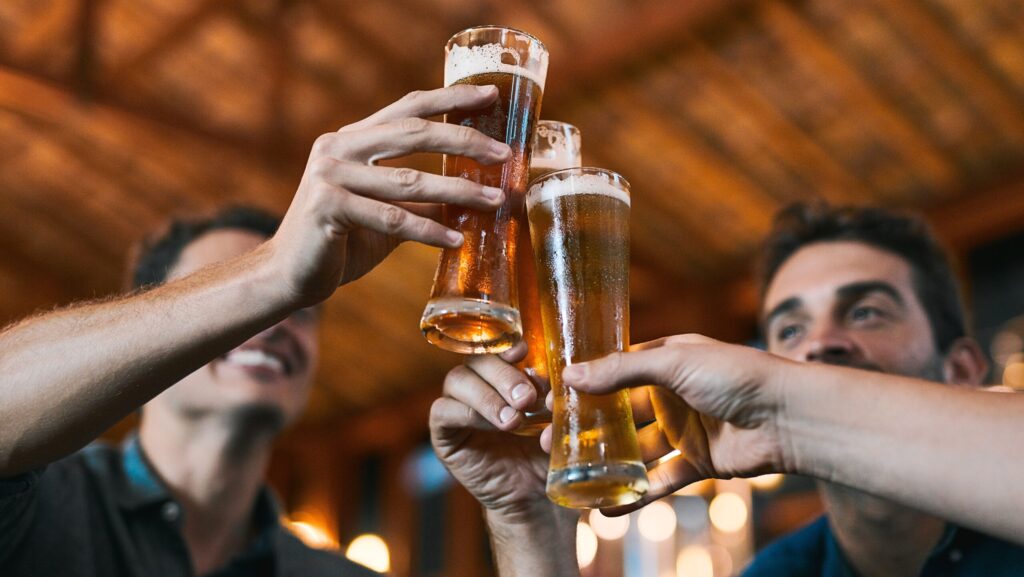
<point x="258" y="358"/>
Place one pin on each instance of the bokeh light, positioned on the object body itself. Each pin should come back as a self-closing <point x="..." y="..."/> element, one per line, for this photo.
<point x="728" y="512"/>
<point x="657" y="521"/>
<point x="586" y="544"/>
<point x="768" y="482"/>
<point x="370" y="551"/>
<point x="694" y="561"/>
<point x="608" y="528"/>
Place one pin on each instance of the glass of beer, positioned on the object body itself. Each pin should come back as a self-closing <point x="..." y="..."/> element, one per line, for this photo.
<point x="474" y="306"/>
<point x="556" y="145"/>
<point x="579" y="224"/>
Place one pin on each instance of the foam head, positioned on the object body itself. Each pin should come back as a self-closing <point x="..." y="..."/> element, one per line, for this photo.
<point x="509" y="51"/>
<point x="570" y="182"/>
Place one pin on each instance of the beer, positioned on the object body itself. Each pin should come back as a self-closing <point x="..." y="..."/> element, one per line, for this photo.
<point x="474" y="306"/>
<point x="556" y="146"/>
<point x="579" y="223"/>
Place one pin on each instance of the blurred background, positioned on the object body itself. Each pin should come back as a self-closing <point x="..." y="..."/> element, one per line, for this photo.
<point x="117" y="114"/>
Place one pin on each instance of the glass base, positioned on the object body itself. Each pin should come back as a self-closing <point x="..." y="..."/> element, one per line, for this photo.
<point x="596" y="486"/>
<point x="534" y="423"/>
<point x="471" y="326"/>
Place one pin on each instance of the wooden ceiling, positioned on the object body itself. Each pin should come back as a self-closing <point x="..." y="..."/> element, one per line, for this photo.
<point x="116" y="114"/>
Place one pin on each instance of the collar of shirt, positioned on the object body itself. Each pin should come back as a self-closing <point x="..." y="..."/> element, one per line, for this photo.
<point x="139" y="487"/>
<point x="836" y="565"/>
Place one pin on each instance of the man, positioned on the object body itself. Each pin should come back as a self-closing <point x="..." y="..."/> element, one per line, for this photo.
<point x="220" y="348"/>
<point x="851" y="287"/>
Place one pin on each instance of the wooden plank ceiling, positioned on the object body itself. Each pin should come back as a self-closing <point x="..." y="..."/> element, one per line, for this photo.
<point x="116" y="114"/>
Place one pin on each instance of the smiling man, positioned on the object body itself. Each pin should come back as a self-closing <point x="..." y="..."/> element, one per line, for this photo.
<point x="218" y="346"/>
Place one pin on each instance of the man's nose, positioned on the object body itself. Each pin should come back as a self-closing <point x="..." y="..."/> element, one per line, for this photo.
<point x="829" y="344"/>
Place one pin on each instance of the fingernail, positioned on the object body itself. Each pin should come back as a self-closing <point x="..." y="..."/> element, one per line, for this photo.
<point x="492" y="192"/>
<point x="454" y="237"/>
<point x="520" y="391"/>
<point x="507" y="414"/>
<point x="487" y="89"/>
<point x="500" y="149"/>
<point x="574" y="372"/>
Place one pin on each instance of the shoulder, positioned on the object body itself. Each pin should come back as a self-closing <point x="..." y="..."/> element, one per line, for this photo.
<point x="800" y="553"/>
<point x="298" y="559"/>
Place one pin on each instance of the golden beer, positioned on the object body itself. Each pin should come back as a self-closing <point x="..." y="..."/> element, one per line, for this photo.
<point x="474" y="306"/>
<point x="556" y="146"/>
<point x="579" y="223"/>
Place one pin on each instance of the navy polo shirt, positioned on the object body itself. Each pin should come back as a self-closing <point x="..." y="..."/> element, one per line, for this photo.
<point x="814" y="552"/>
<point x="102" y="511"/>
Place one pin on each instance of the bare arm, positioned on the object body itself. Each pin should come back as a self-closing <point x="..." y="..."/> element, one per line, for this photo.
<point x="540" y="547"/>
<point x="68" y="375"/>
<point x="951" y="452"/>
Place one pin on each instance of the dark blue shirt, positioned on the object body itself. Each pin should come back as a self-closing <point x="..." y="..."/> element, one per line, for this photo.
<point x="814" y="552"/>
<point x="102" y="511"/>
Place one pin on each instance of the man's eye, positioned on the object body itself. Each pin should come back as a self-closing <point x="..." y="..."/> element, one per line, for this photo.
<point x="865" y="313"/>
<point x="788" y="332"/>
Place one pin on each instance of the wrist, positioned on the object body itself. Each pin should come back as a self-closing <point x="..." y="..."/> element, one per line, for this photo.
<point x="782" y="388"/>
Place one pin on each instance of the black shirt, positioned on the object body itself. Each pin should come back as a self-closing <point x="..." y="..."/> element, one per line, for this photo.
<point x="103" y="512"/>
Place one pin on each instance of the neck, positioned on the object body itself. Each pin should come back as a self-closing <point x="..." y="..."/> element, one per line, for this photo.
<point x="878" y="537"/>
<point x="215" y="469"/>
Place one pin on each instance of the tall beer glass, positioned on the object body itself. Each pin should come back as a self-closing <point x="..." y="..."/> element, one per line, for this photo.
<point x="474" y="306"/>
<point x="556" y="146"/>
<point x="579" y="223"/>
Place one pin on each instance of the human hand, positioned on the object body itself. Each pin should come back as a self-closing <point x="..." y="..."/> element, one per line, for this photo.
<point x="714" y="402"/>
<point x="348" y="214"/>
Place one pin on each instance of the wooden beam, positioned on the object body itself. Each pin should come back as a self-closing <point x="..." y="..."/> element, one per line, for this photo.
<point x="654" y="27"/>
<point x="35" y="39"/>
<point x="948" y="54"/>
<point x="174" y="33"/>
<point x="836" y="183"/>
<point x="803" y="42"/>
<point x="86" y="62"/>
<point x="975" y="217"/>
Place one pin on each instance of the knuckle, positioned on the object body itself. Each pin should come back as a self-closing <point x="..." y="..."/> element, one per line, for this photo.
<point x="437" y="413"/>
<point x="465" y="135"/>
<point x="407" y="178"/>
<point x="413" y="125"/>
<point x="393" y="218"/>
<point x="321" y="166"/>
<point x="322" y="144"/>
<point x="414" y="96"/>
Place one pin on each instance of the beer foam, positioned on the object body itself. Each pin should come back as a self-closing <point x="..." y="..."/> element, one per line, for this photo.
<point x="557" y="186"/>
<point x="465" y="61"/>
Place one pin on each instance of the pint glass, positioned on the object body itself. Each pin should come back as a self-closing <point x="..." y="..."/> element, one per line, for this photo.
<point x="556" y="145"/>
<point x="579" y="224"/>
<point x="474" y="306"/>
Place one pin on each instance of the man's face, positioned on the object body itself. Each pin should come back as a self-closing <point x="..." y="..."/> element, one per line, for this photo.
<point x="848" y="303"/>
<point x="266" y="377"/>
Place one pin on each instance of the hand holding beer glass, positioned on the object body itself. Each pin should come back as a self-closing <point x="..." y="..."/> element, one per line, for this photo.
<point x="579" y="224"/>
<point x="474" y="306"/>
<point x="556" y="146"/>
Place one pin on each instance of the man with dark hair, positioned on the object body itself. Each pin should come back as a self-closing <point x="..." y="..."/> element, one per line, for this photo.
<point x="869" y="289"/>
<point x="220" y="345"/>
<point x="859" y="288"/>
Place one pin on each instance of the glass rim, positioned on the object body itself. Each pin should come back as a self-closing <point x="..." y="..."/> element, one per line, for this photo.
<point x="495" y="27"/>
<point x="562" y="122"/>
<point x="583" y="169"/>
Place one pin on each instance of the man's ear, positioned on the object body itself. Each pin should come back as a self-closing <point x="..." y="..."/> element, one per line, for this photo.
<point x="965" y="363"/>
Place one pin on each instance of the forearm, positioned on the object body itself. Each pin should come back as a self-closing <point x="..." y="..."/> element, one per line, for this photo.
<point x="68" y="375"/>
<point x="546" y="547"/>
<point x="951" y="452"/>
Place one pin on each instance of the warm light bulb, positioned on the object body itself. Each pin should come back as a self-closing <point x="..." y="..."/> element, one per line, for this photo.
<point x="766" y="482"/>
<point x="1013" y="375"/>
<point x="586" y="544"/>
<point x="728" y="512"/>
<point x="371" y="551"/>
<point x="657" y="521"/>
<point x="608" y="528"/>
<point x="694" y="561"/>
<point x="312" y="535"/>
